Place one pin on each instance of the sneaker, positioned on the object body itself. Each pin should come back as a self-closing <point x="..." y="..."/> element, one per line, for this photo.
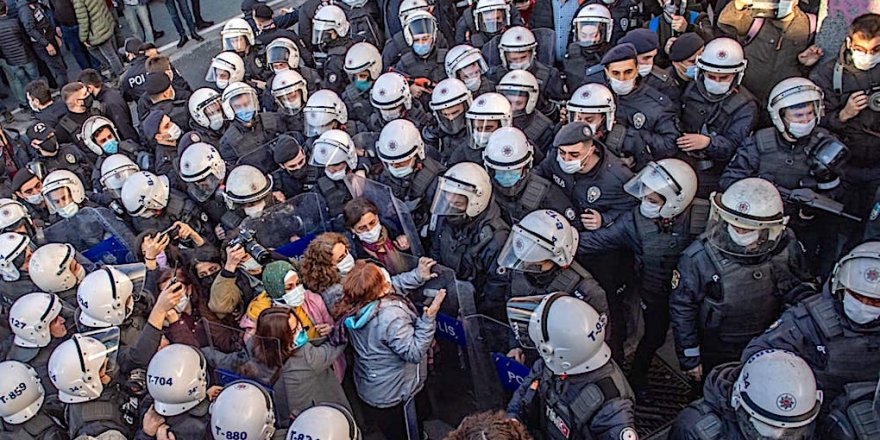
<point x="182" y="42"/>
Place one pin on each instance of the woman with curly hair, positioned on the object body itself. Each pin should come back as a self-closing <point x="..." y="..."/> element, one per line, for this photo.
<point x="493" y="425"/>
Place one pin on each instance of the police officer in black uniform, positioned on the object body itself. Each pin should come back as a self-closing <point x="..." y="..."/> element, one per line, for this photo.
<point x="592" y="34"/>
<point x="154" y="205"/>
<point x="294" y="175"/>
<point x="250" y="130"/>
<point x="423" y="58"/>
<point x="521" y="88"/>
<point x="648" y="46"/>
<point x="79" y="108"/>
<point x="450" y="101"/>
<point x="330" y="37"/>
<point x="51" y="156"/>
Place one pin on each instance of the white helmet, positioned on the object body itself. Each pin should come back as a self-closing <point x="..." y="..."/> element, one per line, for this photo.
<point x="750" y="204"/>
<point x="390" y="92"/>
<point x="236" y="90"/>
<point x="75" y="369"/>
<point x="115" y="169"/>
<point x="540" y="236"/>
<point x="177" y="379"/>
<point x="791" y="92"/>
<point x="63" y="179"/>
<point x="517" y="39"/>
<point x="419" y="23"/>
<point x="568" y="333"/>
<point x="228" y="62"/>
<point x="290" y="91"/>
<point x="592" y="99"/>
<point x="246" y="184"/>
<point x="22" y="382"/>
<point x="243" y="408"/>
<point x="327" y="18"/>
<point x="487" y="107"/>
<point x="334" y="147"/>
<point x="106" y="296"/>
<point x="859" y="271"/>
<point x="363" y="56"/>
<point x="592" y="26"/>
<point x="235" y="32"/>
<point x="776" y="396"/>
<point x="53" y="268"/>
<point x="322" y="108"/>
<point x="491" y="16"/>
<point x="508" y="149"/>
<point x="462" y="57"/>
<point x="203" y="170"/>
<point x="325" y="421"/>
<point x="205" y="108"/>
<point x="143" y="192"/>
<point x="520" y="84"/>
<point x="12" y="254"/>
<point x="467" y="180"/>
<point x="673" y="179"/>
<point x="399" y="141"/>
<point x="408" y="6"/>
<point x="91" y="127"/>
<point x="722" y="55"/>
<point x="282" y="50"/>
<point x="449" y="93"/>
<point x="12" y="214"/>
<point x="30" y="316"/>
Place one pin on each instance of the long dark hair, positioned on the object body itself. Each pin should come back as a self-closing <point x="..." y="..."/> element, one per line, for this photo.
<point x="273" y="342"/>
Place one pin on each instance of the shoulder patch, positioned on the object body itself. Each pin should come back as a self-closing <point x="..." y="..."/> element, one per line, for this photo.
<point x="639" y="120"/>
<point x="675" y="280"/>
<point x="875" y="211"/>
<point x="70" y="158"/>
<point x="593" y="194"/>
<point x="628" y="434"/>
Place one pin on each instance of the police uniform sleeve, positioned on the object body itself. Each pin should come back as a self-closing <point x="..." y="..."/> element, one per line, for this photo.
<point x="619" y="235"/>
<point x="461" y="31"/>
<point x="555" y="87"/>
<point x="661" y="138"/>
<point x="614" y="421"/>
<point x="334" y="76"/>
<point x="722" y="146"/>
<point x="139" y="355"/>
<point x="744" y="164"/>
<point x="784" y="334"/>
<point x="685" y="301"/>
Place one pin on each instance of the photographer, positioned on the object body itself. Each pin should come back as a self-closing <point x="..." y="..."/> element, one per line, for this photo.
<point x="240" y="280"/>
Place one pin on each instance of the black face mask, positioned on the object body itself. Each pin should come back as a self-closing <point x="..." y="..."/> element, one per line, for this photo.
<point x="87" y="101"/>
<point x="49" y="146"/>
<point x="299" y="174"/>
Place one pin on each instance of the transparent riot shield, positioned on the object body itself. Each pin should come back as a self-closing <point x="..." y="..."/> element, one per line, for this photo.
<point x="494" y="376"/>
<point x="288" y="227"/>
<point x="393" y="213"/>
<point x="110" y="338"/>
<point x="261" y="158"/>
<point x="97" y="234"/>
<point x="235" y="354"/>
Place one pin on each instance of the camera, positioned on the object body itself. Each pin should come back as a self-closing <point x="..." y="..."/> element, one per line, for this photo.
<point x="873" y="95"/>
<point x="247" y="241"/>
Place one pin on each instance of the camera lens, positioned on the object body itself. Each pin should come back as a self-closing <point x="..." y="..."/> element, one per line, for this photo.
<point x="874" y="101"/>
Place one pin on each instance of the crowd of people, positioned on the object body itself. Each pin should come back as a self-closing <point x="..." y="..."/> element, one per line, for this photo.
<point x="271" y="255"/>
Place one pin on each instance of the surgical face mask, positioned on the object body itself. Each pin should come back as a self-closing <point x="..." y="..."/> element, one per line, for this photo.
<point x="222" y="83"/>
<point x="301" y="338"/>
<point x="421" y="49"/>
<point x="346" y="265"/>
<point x="181" y="305"/>
<point x="522" y="65"/>
<point x="743" y="239"/>
<point x="650" y="209"/>
<point x="400" y="172"/>
<point x="473" y="83"/>
<point x="864" y="61"/>
<point x="254" y="211"/>
<point x="645" y="69"/>
<point x="335" y="175"/>
<point x="174" y="132"/>
<point x="111" y="146"/>
<point x="372" y="235"/>
<point x="216" y="123"/>
<point x="294" y="297"/>
<point x="622" y="87"/>
<point x="68" y="210"/>
<point x="859" y="312"/>
<point x="716" y="87"/>
<point x="569" y="166"/>
<point x="691" y="71"/>
<point x="508" y="178"/>
<point x="801" y="129"/>
<point x="35" y="199"/>
<point x="481" y="138"/>
<point x="362" y="85"/>
<point x="250" y="265"/>
<point x="245" y="115"/>
<point x="392" y="114"/>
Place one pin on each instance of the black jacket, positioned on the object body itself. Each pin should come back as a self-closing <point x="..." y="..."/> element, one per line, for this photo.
<point x="15" y="47"/>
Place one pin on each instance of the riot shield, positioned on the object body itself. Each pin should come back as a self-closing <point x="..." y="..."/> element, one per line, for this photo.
<point x="494" y="376"/>
<point x="110" y="337"/>
<point x="235" y="354"/>
<point x="261" y="158"/>
<point x="97" y="234"/>
<point x="393" y="213"/>
<point x="288" y="227"/>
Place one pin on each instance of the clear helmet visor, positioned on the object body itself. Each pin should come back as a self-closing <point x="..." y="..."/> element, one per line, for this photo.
<point x="325" y="154"/>
<point x="213" y="110"/>
<point x="244" y="102"/>
<point x="526" y="251"/>
<point x="493" y="20"/>
<point x="278" y="54"/>
<point x="322" y="35"/>
<point x="422" y="26"/>
<point x="58" y="198"/>
<point x="590" y="33"/>
<point x="452" y="198"/>
<point x="518" y="99"/>
<point x="136" y="274"/>
<point x="741" y="238"/>
<point x="113" y="181"/>
<point x="753" y="428"/>
<point x="203" y="189"/>
<point x="109" y="339"/>
<point x="481" y="130"/>
<point x="236" y="43"/>
<point x="520" y="310"/>
<point x="317" y="122"/>
<point x="651" y="179"/>
<point x="451" y="126"/>
<point x="292" y="101"/>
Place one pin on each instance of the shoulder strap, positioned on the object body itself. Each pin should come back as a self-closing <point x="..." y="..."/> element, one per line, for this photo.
<point x="765" y="139"/>
<point x="565" y="281"/>
<point x="533" y="194"/>
<point x="754" y="29"/>
<point x="270" y="122"/>
<point x="38" y="425"/>
<point x="591" y="398"/>
<point x="709" y="426"/>
<point x="837" y="78"/>
<point x="98" y="410"/>
<point x="422" y="180"/>
<point x="325" y="185"/>
<point x="699" y="216"/>
<point x="659" y="73"/>
<point x="594" y="68"/>
<point x="824" y="315"/>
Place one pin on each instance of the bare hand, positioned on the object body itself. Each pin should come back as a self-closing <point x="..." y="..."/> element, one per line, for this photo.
<point x="172" y="316"/>
<point x="742" y="4"/>
<point x="417" y="90"/>
<point x="169" y="297"/>
<point x="696" y="374"/>
<point x="669" y="43"/>
<point x="279" y="196"/>
<point x="591" y="219"/>
<point x="155" y="245"/>
<point x="220" y="232"/>
<point x="425" y="265"/>
<point x="517" y="355"/>
<point x="152" y="422"/>
<point x="165" y="433"/>
<point x="679" y="23"/>
<point x="432" y="310"/>
<point x="184" y="230"/>
<point x="402" y="242"/>
<point x="563" y="115"/>
<point x="50" y="49"/>
<point x="857" y="102"/>
<point x="213" y="392"/>
<point x="323" y="329"/>
<point x="234" y="256"/>
<point x="810" y="56"/>
<point x="693" y="142"/>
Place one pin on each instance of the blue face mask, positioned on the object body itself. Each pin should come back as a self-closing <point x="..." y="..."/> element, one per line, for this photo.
<point x="507" y="178"/>
<point x="111" y="146"/>
<point x="362" y="85"/>
<point x="421" y="49"/>
<point x="245" y="115"/>
<point x="300" y="339"/>
<point x="691" y="72"/>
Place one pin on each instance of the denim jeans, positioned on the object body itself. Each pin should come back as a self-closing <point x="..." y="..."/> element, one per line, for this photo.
<point x="18" y="77"/>
<point x="172" y="5"/>
<point x="138" y="20"/>
<point x="107" y="51"/>
<point x="55" y="63"/>
<point x="70" y="37"/>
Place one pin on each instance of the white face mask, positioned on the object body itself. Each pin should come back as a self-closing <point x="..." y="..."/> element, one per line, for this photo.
<point x="222" y="83"/>
<point x="524" y="65"/>
<point x="645" y="69"/>
<point x="390" y="115"/>
<point x="181" y="305"/>
<point x="68" y="210"/>
<point x="569" y="166"/>
<point x="254" y="211"/>
<point x="745" y="239"/>
<point x="473" y="83"/>
<point x="801" y="129"/>
<point x="716" y="87"/>
<point x="174" y="132"/>
<point x="864" y="61"/>
<point x="35" y="199"/>
<point x="481" y="138"/>
<point x="622" y="87"/>
<point x="346" y="265"/>
<point x="335" y="176"/>
<point x="250" y="265"/>
<point x="859" y="312"/>
<point x="399" y="172"/>
<point x="216" y="123"/>
<point x="294" y="297"/>
<point x="372" y="235"/>
<point x="650" y="209"/>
